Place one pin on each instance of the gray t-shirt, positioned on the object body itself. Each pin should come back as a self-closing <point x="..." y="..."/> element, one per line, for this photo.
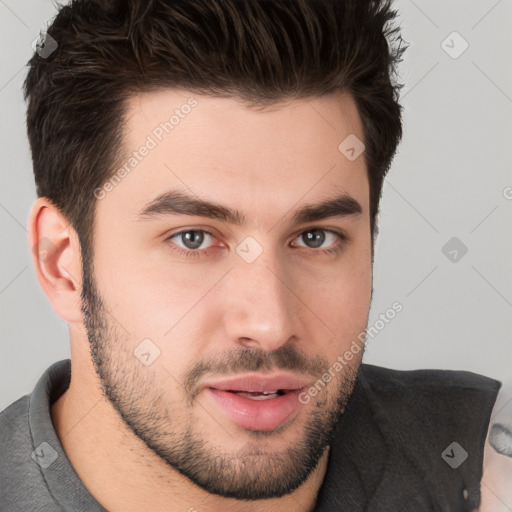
<point x="393" y="449"/>
<point x="35" y="473"/>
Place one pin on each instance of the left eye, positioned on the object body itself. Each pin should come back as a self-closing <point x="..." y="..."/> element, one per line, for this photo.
<point x="317" y="237"/>
<point x="193" y="238"/>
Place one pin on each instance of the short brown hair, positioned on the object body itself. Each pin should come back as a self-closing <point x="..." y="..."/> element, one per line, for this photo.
<point x="260" y="51"/>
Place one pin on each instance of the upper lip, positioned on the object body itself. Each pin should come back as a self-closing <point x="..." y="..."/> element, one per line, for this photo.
<point x="258" y="382"/>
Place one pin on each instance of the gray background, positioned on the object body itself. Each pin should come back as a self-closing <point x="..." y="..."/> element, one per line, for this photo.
<point x="449" y="179"/>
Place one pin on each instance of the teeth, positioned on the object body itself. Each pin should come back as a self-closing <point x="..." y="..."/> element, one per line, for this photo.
<point x="259" y="395"/>
<point x="258" y="392"/>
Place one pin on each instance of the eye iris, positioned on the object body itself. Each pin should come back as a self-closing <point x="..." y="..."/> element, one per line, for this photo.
<point x="192" y="239"/>
<point x="315" y="236"/>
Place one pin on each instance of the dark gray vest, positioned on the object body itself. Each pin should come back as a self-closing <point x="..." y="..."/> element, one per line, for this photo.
<point x="394" y="450"/>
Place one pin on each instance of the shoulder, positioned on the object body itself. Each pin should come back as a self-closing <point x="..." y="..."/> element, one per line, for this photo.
<point x="22" y="484"/>
<point x="440" y="420"/>
<point x="455" y="404"/>
<point x="417" y="379"/>
<point x="14" y="435"/>
<point x="496" y="485"/>
<point x="14" y="419"/>
<point x="16" y="443"/>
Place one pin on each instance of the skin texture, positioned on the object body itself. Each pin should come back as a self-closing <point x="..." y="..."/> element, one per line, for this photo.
<point x="147" y="437"/>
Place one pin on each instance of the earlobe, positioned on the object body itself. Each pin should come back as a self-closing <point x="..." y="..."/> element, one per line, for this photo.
<point x="56" y="256"/>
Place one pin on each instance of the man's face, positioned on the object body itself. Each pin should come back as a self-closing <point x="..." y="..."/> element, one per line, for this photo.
<point x="178" y="305"/>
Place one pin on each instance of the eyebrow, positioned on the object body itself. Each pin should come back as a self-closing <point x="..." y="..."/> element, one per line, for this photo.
<point x="179" y="203"/>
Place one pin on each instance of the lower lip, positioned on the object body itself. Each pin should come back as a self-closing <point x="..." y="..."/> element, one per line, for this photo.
<point x="257" y="414"/>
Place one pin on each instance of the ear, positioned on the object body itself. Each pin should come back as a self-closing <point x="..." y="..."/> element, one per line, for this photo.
<point x="57" y="258"/>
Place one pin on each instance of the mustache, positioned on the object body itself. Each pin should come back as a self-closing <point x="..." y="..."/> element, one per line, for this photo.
<point x="243" y="359"/>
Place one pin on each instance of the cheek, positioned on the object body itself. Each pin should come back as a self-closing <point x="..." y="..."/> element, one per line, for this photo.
<point x="342" y="300"/>
<point x="148" y="287"/>
<point x="346" y="303"/>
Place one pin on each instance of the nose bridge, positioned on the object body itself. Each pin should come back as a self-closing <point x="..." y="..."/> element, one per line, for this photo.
<point x="263" y="309"/>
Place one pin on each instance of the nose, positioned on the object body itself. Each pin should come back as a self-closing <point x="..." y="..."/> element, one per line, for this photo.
<point x="263" y="308"/>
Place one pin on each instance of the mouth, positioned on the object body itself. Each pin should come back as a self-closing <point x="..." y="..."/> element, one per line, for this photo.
<point x="257" y="410"/>
<point x="258" y="401"/>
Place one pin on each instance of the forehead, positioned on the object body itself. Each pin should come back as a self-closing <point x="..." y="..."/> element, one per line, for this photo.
<point x="335" y="113"/>
<point x="218" y="148"/>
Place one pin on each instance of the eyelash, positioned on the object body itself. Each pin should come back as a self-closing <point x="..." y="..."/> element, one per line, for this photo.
<point x="194" y="253"/>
